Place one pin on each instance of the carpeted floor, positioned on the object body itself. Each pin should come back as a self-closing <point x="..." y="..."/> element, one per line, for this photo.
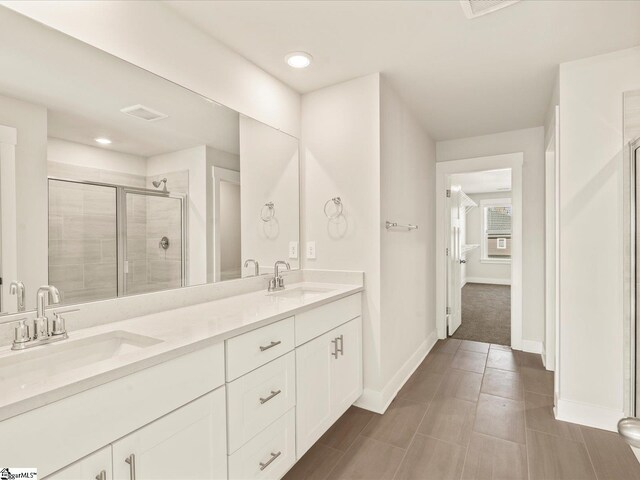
<point x="486" y="314"/>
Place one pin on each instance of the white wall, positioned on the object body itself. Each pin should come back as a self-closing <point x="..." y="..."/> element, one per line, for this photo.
<point x="269" y="173"/>
<point x="530" y="141"/>
<point x="195" y="161"/>
<point x="79" y="155"/>
<point x="360" y="143"/>
<point x="475" y="269"/>
<point x="31" y="193"/>
<point x="407" y="263"/>
<point x="591" y="235"/>
<point x="154" y="37"/>
<point x="340" y="147"/>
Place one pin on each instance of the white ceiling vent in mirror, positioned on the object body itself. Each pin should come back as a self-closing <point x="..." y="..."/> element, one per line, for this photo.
<point x="476" y="8"/>
<point x="144" y="113"/>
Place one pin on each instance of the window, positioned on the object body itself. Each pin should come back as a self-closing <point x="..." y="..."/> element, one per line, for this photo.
<point x="496" y="230"/>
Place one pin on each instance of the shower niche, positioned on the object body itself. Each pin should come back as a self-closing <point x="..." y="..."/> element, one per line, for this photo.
<point x="124" y="183"/>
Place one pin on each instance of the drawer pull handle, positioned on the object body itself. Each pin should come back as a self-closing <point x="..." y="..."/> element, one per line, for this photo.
<point x="102" y="475"/>
<point x="271" y="345"/>
<point x="131" y="460"/>
<point x="341" y="349"/>
<point x="268" y="462"/>
<point x="335" y="347"/>
<point x="273" y="394"/>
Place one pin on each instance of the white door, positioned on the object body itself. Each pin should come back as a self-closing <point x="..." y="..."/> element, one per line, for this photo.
<point x="346" y="368"/>
<point x="189" y="443"/>
<point x="96" y="466"/>
<point x="454" y="292"/>
<point x="313" y="385"/>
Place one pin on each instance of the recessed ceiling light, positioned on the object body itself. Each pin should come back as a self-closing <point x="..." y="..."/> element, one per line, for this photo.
<point x="298" y="59"/>
<point x="103" y="141"/>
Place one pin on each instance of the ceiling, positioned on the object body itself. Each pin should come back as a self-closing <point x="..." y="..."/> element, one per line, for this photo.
<point x="462" y="77"/>
<point x="84" y="90"/>
<point x="489" y="181"/>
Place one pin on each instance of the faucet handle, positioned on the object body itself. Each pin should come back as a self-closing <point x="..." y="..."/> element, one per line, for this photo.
<point x="21" y="333"/>
<point x="58" y="325"/>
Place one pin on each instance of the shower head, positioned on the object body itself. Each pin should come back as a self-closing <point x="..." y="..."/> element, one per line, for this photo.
<point x="157" y="183"/>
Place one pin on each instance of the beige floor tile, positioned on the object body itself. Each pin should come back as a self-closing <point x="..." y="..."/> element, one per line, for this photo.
<point x="431" y="459"/>
<point x="495" y="346"/>
<point x="526" y="359"/>
<point x="537" y="381"/>
<point x="501" y="418"/>
<point x="539" y="415"/>
<point x="437" y="362"/>
<point x="611" y="457"/>
<point x="450" y="419"/>
<point x="421" y="386"/>
<point x="471" y="361"/>
<point x="555" y="458"/>
<point x="344" y="432"/>
<point x="315" y="464"/>
<point x="368" y="459"/>
<point x="460" y="384"/>
<point x="472" y="346"/>
<point x="450" y="345"/>
<point x="502" y="359"/>
<point x="503" y="383"/>
<point x="398" y="424"/>
<point x="490" y="458"/>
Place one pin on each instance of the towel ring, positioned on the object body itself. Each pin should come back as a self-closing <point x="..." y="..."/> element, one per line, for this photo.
<point x="338" y="208"/>
<point x="267" y="212"/>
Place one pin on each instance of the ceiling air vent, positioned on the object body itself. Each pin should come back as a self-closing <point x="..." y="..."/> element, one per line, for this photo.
<point x="144" y="113"/>
<point x="476" y="8"/>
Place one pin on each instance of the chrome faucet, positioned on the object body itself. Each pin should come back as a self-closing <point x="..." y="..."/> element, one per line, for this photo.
<point x="17" y="289"/>
<point x="42" y="334"/>
<point x="256" y="266"/>
<point x="277" y="282"/>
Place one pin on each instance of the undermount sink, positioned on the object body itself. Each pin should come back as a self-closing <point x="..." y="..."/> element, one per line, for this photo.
<point x="300" y="293"/>
<point x="32" y="366"/>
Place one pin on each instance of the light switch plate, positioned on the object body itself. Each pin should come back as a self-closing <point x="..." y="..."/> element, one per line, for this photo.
<point x="311" y="250"/>
<point x="293" y="250"/>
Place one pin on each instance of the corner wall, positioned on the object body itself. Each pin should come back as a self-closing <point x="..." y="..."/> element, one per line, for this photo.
<point x="530" y="141"/>
<point x="592" y="178"/>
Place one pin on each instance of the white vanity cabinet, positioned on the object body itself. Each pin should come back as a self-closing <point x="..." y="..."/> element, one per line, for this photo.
<point x="328" y="379"/>
<point x="189" y="443"/>
<point x="96" y="466"/>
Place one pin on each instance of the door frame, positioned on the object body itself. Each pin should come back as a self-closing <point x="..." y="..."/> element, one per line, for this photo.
<point x="513" y="161"/>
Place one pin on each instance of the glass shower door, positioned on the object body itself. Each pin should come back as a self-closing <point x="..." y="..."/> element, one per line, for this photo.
<point x="153" y="242"/>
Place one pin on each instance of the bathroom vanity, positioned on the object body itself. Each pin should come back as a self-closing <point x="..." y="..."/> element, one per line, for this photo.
<point x="236" y="388"/>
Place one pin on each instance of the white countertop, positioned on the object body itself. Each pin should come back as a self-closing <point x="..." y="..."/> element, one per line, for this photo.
<point x="181" y="331"/>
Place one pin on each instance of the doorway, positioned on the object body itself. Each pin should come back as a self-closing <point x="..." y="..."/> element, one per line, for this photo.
<point x="479" y="260"/>
<point x="494" y="246"/>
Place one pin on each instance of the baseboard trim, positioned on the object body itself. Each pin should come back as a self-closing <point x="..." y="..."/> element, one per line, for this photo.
<point x="491" y="281"/>
<point x="589" y="415"/>
<point x="379" y="401"/>
<point x="532" y="346"/>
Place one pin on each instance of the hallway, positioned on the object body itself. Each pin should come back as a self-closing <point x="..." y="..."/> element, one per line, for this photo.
<point x="470" y="411"/>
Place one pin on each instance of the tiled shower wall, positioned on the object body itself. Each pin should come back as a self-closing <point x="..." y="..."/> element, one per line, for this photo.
<point x="83" y="234"/>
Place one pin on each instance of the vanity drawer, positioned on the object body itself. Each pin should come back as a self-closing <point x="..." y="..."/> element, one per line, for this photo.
<point x="268" y="455"/>
<point x="314" y="323"/>
<point x="258" y="398"/>
<point x="248" y="351"/>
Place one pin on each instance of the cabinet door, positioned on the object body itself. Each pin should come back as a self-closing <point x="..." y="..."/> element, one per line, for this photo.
<point x="188" y="443"/>
<point x="96" y="466"/>
<point x="346" y="370"/>
<point x="313" y="386"/>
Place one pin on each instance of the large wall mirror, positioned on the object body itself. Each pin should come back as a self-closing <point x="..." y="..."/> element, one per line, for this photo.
<point x="124" y="183"/>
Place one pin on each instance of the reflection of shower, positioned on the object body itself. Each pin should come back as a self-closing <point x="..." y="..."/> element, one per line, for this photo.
<point x="157" y="183"/>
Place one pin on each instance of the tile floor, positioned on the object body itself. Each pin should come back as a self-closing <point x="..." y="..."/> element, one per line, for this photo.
<point x="471" y="411"/>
